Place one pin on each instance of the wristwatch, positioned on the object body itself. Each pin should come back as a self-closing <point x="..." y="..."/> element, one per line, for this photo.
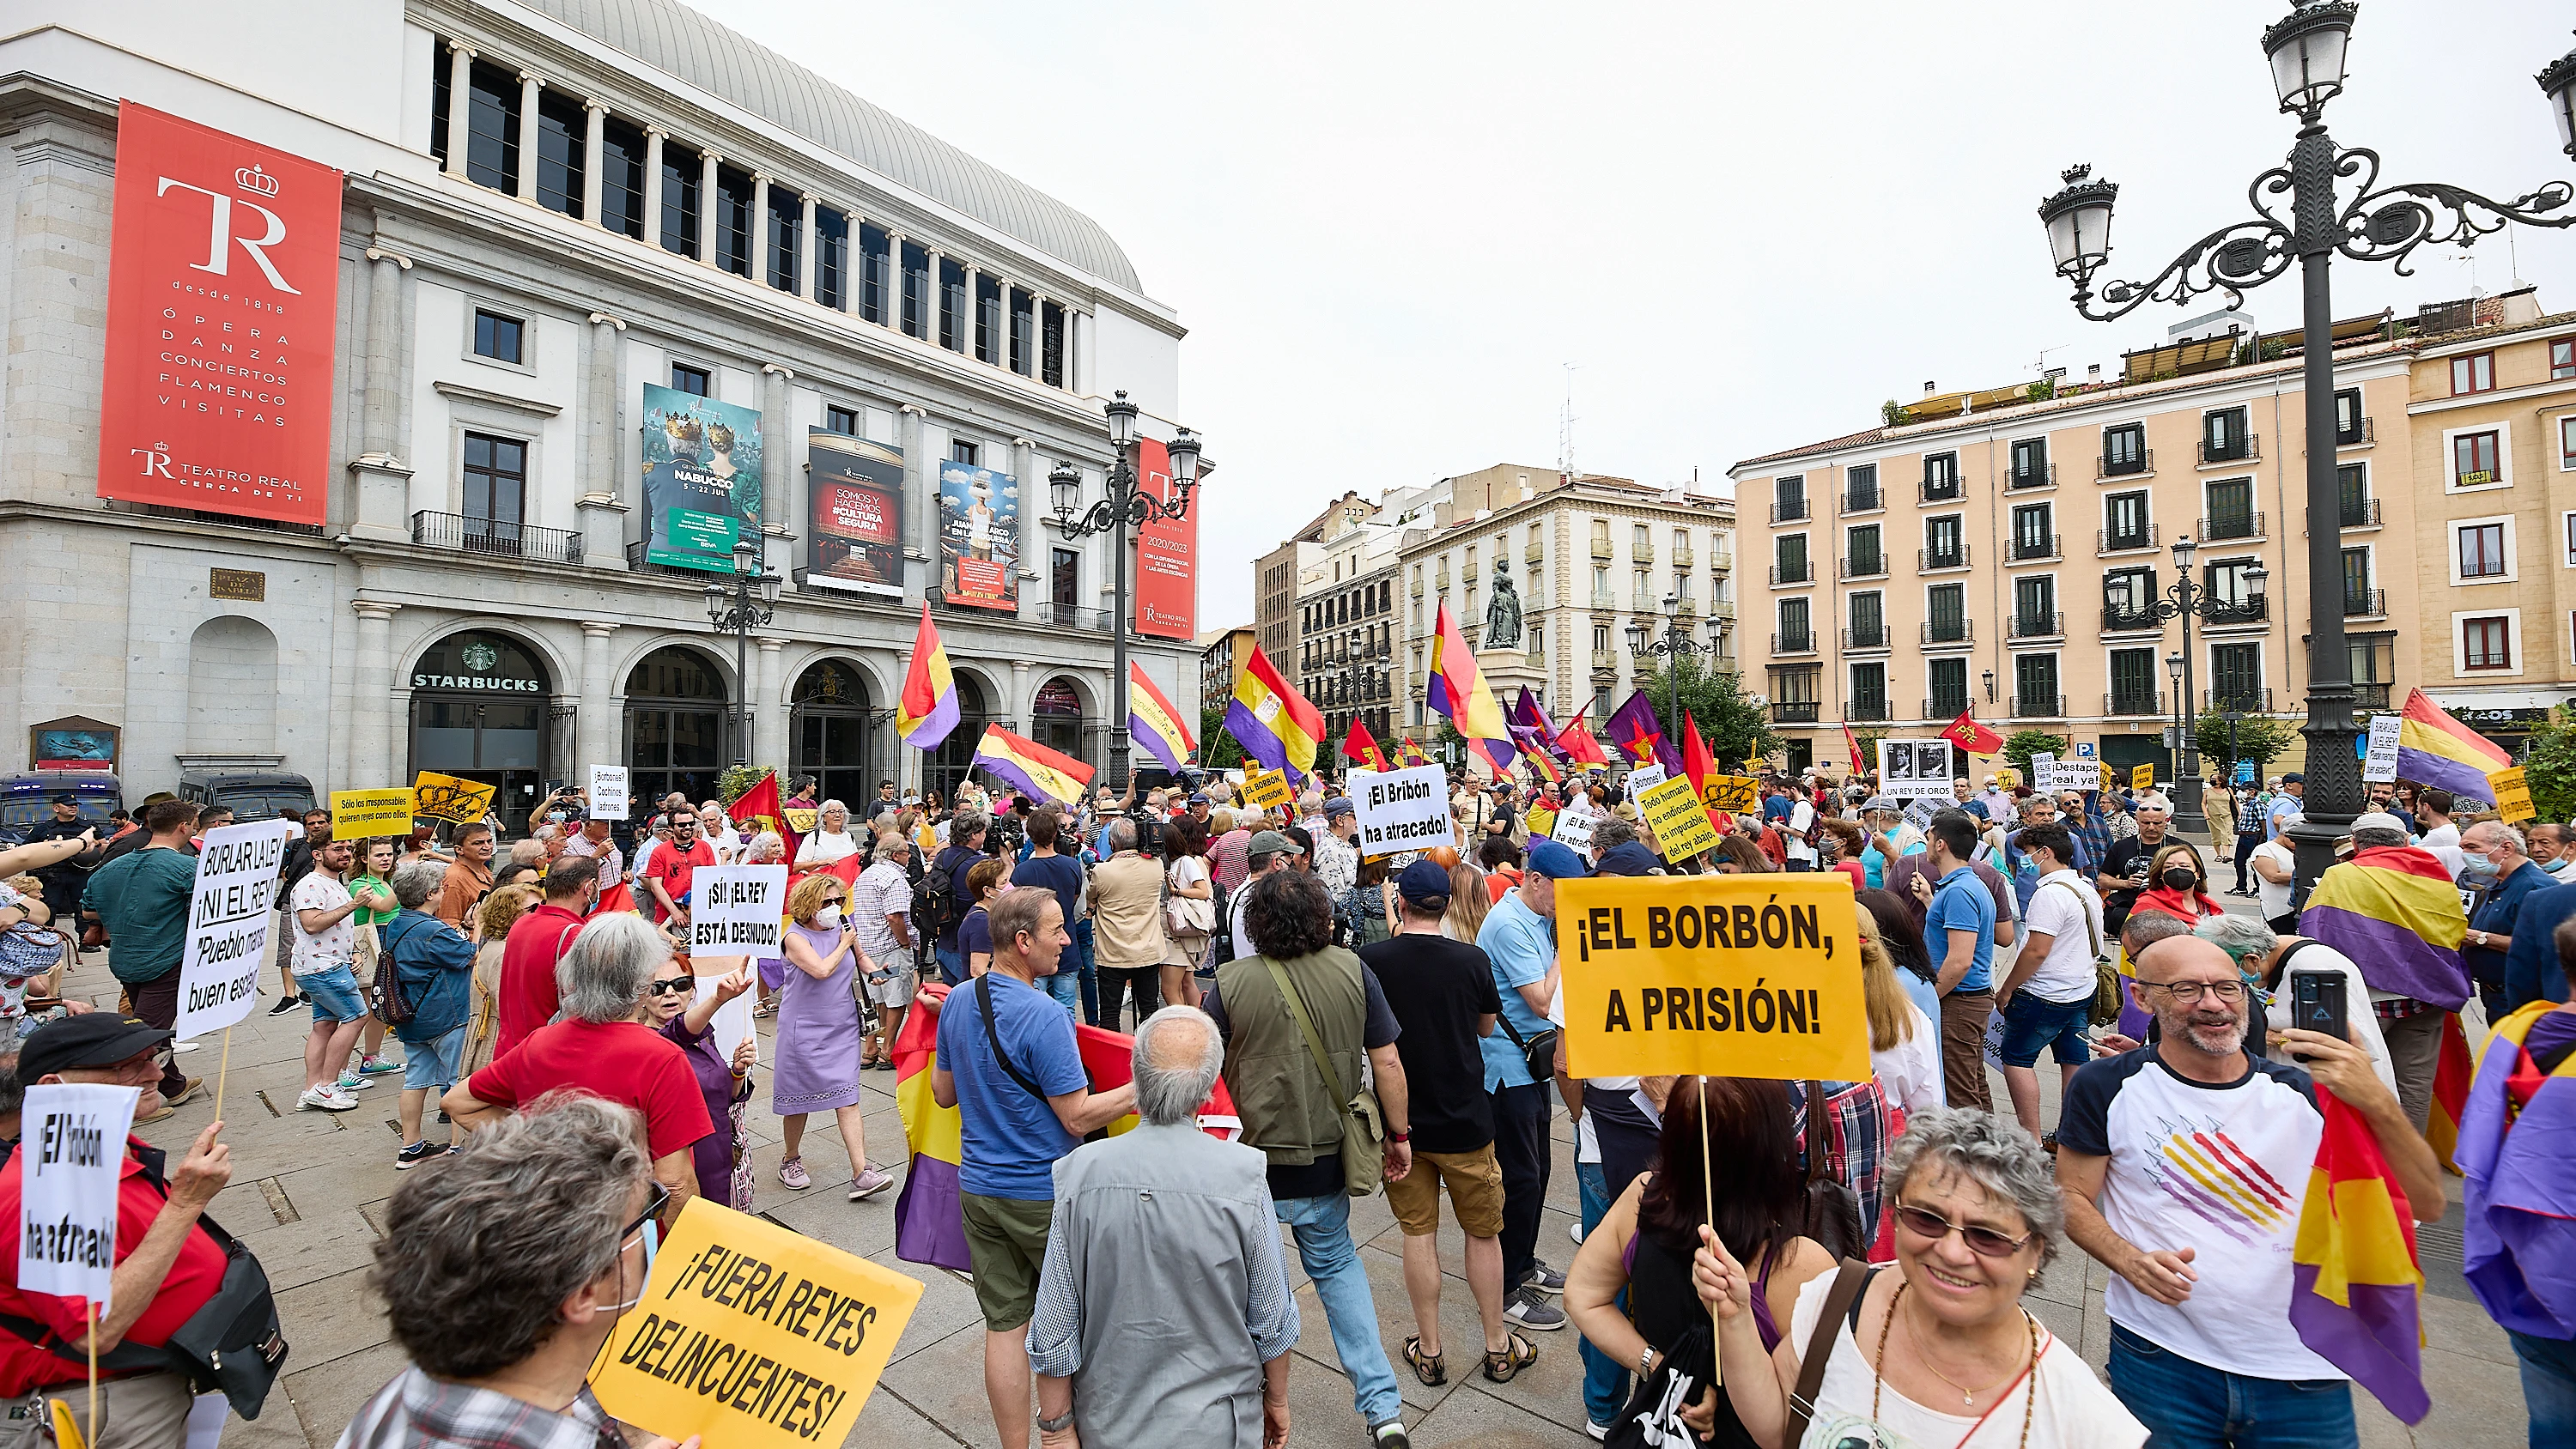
<point x="1058" y="1424"/>
<point x="1407" y="1136"/>
<point x="2481" y="935"/>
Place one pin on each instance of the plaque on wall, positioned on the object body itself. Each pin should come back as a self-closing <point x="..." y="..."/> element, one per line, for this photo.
<point x="247" y="585"/>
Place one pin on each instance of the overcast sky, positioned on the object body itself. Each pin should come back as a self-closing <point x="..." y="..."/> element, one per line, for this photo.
<point x="1389" y="226"/>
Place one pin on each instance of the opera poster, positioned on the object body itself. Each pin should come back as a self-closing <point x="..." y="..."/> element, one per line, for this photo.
<point x="701" y="479"/>
<point x="979" y="536"/>
<point x="854" y="538"/>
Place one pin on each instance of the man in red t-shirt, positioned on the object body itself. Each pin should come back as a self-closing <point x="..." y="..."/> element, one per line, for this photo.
<point x="599" y="1048"/>
<point x="528" y="996"/>
<point x="669" y="873"/>
<point x="167" y="1266"/>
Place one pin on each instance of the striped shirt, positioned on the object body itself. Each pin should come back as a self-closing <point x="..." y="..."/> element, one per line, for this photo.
<point x="416" y="1411"/>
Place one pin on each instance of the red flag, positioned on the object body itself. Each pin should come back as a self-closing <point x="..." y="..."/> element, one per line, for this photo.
<point x="1852" y="742"/>
<point x="1699" y="764"/>
<point x="618" y="897"/>
<point x="847" y="868"/>
<point x="1577" y="741"/>
<point x="760" y="803"/>
<point x="1973" y="737"/>
<point x="1360" y="746"/>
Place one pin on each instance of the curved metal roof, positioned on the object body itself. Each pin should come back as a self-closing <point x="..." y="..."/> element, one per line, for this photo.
<point x="674" y="39"/>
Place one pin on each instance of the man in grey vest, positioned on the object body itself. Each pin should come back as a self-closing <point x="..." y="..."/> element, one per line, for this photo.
<point x="1216" y="1280"/>
<point x="1295" y="1116"/>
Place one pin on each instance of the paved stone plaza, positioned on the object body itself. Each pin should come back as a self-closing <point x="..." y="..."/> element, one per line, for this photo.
<point x="309" y="1190"/>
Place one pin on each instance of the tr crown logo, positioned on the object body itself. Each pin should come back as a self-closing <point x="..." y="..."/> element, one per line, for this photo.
<point x="250" y="178"/>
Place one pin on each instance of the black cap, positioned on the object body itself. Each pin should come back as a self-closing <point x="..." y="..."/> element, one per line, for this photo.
<point x="93" y="1039"/>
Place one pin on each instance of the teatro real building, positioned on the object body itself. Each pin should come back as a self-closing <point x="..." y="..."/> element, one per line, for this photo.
<point x="452" y="350"/>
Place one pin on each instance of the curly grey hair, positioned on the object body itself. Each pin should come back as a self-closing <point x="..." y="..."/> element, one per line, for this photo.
<point x="602" y="977"/>
<point x="415" y="881"/>
<point x="479" y="1255"/>
<point x="1174" y="1076"/>
<point x="893" y="845"/>
<point x="1990" y="1151"/>
<point x="2238" y="936"/>
<point x="966" y="825"/>
<point x="1610" y="832"/>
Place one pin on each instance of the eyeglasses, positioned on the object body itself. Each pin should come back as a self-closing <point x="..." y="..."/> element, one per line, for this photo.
<point x="1931" y="1226"/>
<point x="2188" y="992"/>
<point x="672" y="987"/>
<point x="653" y="1207"/>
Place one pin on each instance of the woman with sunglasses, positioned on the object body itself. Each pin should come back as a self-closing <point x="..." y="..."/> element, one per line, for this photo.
<point x="819" y="1032"/>
<point x="1939" y="1351"/>
<point x="673" y="1007"/>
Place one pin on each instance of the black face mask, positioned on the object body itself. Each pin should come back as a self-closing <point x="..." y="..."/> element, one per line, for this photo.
<point x="2179" y="879"/>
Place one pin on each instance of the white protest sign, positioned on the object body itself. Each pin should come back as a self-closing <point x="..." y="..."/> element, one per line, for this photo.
<point x="608" y="799"/>
<point x="2379" y="767"/>
<point x="1401" y="809"/>
<point x="1920" y="813"/>
<point x="732" y="1021"/>
<point x="2043" y="772"/>
<point x="734" y="910"/>
<point x="74" y="1151"/>
<point x="228" y="923"/>
<point x="1642" y="779"/>
<point x="1574" y="824"/>
<point x="1915" y="769"/>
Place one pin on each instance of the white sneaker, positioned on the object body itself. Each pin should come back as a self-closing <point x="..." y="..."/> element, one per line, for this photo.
<point x="326" y="1098"/>
<point x="1574" y="1230"/>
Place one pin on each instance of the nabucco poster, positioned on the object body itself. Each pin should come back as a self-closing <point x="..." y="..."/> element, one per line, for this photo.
<point x="979" y="536"/>
<point x="701" y="478"/>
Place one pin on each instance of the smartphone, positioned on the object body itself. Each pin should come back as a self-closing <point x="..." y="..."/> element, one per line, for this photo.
<point x="2318" y="1003"/>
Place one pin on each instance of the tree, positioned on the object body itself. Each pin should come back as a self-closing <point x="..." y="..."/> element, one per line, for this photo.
<point x="2261" y="738"/>
<point x="2550" y="770"/>
<point x="2025" y="743"/>
<point x="1217" y="749"/>
<point x="1868" y="742"/>
<point x="1733" y="726"/>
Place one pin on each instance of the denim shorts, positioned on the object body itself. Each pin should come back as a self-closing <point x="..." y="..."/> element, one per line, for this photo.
<point x="2031" y="1023"/>
<point x="433" y="1064"/>
<point x="333" y="994"/>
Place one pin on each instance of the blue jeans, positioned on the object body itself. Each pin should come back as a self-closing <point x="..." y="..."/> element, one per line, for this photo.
<point x="2548" y="1386"/>
<point x="952" y="964"/>
<point x="1090" y="979"/>
<point x="1605" y="1379"/>
<point x="2187" y="1405"/>
<point x="1066" y="987"/>
<point x="1322" y="1226"/>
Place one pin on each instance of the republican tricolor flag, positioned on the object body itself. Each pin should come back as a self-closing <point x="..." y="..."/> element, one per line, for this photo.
<point x="2435" y="749"/>
<point x="1459" y="694"/>
<point x="1031" y="767"/>
<point x="927" y="709"/>
<point x="1271" y="720"/>
<point x="1152" y="723"/>
<point x="2355" y="1289"/>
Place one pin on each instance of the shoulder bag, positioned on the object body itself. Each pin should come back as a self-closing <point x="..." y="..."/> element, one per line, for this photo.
<point x="1188" y="915"/>
<point x="1538" y="1050"/>
<point x="1831" y="1210"/>
<point x="2106" y="978"/>
<point x="1840" y="1300"/>
<point x="1363" y="1124"/>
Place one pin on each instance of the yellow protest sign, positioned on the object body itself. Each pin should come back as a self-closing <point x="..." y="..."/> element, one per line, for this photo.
<point x="2110" y="778"/>
<point x="1723" y="975"/>
<point x="367" y="814"/>
<point x="749" y="1335"/>
<point x="1737" y="794"/>
<point x="1679" y="821"/>
<point x="445" y="797"/>
<point x="802" y="821"/>
<point x="2512" y="796"/>
<point x="2143" y="777"/>
<point x="1267" y="788"/>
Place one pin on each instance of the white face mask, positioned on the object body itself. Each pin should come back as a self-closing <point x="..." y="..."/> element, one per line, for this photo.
<point x="828" y="918"/>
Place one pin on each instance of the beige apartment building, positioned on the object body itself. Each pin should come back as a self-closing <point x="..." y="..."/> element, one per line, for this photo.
<point x="1584" y="557"/>
<point x="2003" y="551"/>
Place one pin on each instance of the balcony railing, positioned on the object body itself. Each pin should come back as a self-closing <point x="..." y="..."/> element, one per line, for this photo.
<point x="2246" y="611"/>
<point x="2116" y="619"/>
<point x="2146" y="704"/>
<point x="1927" y="560"/>
<point x="1950" y="631"/>
<point x="1866" y="636"/>
<point x="496" y="538"/>
<point x="2026" y="547"/>
<point x="2034" y="626"/>
<point x="1866" y="566"/>
<point x="1601" y="546"/>
<point x="1644" y="553"/>
<point x="2039" y="706"/>
<point x="1794" y="711"/>
<point x="2358" y="513"/>
<point x="1535" y="551"/>
<point x="1074" y="616"/>
<point x="1857" y="499"/>
<point x="1417" y="588"/>
<point x="1794" y="643"/>
<point x="1941" y="489"/>
<point x="2369" y="694"/>
<point x="1945" y="706"/>
<point x="2245" y="450"/>
<point x="1868" y="709"/>
<point x="2231" y="525"/>
<point x="2364" y="603"/>
<point x="1681" y="558"/>
<point x="2044" y="476"/>
<point x="1605" y="659"/>
<point x="1644" y="602"/>
<point x="2105" y="541"/>
<point x="1604" y="599"/>
<point x="1721" y="560"/>
<point x="2242" y="699"/>
<point x="2107" y="466"/>
<point x="1721" y="610"/>
<point x="2356" y="437"/>
<point x="1684" y="605"/>
<point x="1796" y="573"/>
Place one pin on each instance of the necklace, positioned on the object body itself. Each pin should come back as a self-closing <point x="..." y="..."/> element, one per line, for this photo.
<point x="1878" y="1371"/>
<point x="1967" y="1396"/>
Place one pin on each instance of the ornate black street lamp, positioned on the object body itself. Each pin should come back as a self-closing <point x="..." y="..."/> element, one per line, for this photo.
<point x="1128" y="504"/>
<point x="737" y="610"/>
<point x="2306" y="49"/>
<point x="1676" y="645"/>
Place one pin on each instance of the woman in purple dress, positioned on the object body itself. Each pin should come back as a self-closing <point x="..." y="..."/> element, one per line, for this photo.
<point x="819" y="1032"/>
<point x="724" y="1076"/>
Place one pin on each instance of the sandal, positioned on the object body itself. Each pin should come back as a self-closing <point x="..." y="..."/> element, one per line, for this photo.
<point x="1519" y="1353"/>
<point x="1426" y="1366"/>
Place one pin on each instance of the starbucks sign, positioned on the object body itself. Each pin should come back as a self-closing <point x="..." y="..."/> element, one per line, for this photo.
<point x="479" y="664"/>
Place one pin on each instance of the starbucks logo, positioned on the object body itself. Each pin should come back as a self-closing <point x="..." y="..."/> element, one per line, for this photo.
<point x="479" y="657"/>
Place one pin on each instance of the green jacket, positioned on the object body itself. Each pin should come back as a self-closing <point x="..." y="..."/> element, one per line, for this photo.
<point x="1288" y="1111"/>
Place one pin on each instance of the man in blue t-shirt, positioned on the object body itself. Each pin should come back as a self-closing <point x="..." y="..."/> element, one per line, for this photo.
<point x="1519" y="940"/>
<point x="1959" y="930"/>
<point x="1018" y="1113"/>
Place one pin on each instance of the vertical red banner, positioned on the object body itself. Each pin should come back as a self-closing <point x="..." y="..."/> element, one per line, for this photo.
<point x="1167" y="557"/>
<point x="223" y="283"/>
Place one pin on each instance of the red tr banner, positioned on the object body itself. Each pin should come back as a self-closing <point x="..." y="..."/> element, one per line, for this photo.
<point x="223" y="284"/>
<point x="1973" y="737"/>
<point x="1167" y="556"/>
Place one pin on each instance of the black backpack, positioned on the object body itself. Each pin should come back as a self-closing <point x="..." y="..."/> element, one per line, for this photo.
<point x="1221" y="935"/>
<point x="934" y="897"/>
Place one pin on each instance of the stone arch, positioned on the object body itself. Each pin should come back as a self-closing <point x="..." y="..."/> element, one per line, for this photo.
<point x="232" y="687"/>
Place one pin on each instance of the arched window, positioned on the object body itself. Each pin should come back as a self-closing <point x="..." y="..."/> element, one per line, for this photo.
<point x="675" y="725"/>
